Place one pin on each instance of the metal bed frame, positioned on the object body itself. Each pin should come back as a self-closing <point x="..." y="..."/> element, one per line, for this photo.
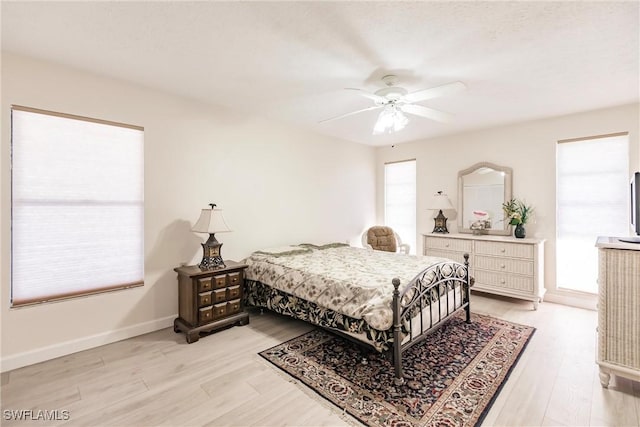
<point x="420" y="295"/>
<point x="426" y="288"/>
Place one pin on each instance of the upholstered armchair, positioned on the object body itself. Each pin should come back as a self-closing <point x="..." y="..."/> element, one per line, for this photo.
<point x="383" y="238"/>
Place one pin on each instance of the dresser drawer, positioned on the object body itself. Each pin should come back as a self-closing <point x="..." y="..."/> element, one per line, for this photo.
<point x="219" y="310"/>
<point x="503" y="281"/>
<point x="204" y="298"/>
<point x="204" y="284"/>
<point x="456" y="256"/>
<point x="460" y="245"/>
<point x="516" y="250"/>
<point x="205" y="314"/>
<point x="233" y="306"/>
<point x="220" y="281"/>
<point x="219" y="295"/>
<point x="504" y="265"/>
<point x="233" y="292"/>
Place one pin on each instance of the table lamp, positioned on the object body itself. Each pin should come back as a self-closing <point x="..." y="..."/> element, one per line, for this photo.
<point x="440" y="202"/>
<point x="211" y="221"/>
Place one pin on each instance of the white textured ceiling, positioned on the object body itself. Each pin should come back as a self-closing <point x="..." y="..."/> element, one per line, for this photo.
<point x="290" y="61"/>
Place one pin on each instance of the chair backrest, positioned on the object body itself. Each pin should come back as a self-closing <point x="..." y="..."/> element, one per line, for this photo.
<point x="381" y="238"/>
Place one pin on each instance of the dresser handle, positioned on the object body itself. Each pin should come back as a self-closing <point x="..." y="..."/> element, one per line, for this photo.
<point x="502" y="266"/>
<point x="503" y="250"/>
<point x="446" y="245"/>
<point x="502" y="282"/>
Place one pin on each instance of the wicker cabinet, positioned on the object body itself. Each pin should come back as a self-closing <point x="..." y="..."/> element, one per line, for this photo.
<point x="618" y="309"/>
<point x="209" y="299"/>
<point x="500" y="265"/>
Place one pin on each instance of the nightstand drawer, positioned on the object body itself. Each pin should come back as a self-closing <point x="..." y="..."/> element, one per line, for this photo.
<point x="205" y="314"/>
<point x="233" y="292"/>
<point x="204" y="284"/>
<point x="219" y="310"/>
<point x="219" y="295"/>
<point x="235" y="278"/>
<point x="220" y="281"/>
<point x="233" y="306"/>
<point x="204" y="298"/>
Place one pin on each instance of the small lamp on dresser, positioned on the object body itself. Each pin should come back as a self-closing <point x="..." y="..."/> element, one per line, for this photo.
<point x="440" y="202"/>
<point x="211" y="221"/>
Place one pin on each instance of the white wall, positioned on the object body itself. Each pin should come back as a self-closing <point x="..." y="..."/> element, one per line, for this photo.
<point x="276" y="184"/>
<point x="529" y="148"/>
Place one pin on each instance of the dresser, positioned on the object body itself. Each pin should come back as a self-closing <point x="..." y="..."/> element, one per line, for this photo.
<point x="618" y="309"/>
<point x="209" y="299"/>
<point x="500" y="265"/>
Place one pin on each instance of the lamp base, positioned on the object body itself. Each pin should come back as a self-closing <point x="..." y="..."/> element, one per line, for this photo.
<point x="211" y="254"/>
<point x="440" y="223"/>
<point x="211" y="263"/>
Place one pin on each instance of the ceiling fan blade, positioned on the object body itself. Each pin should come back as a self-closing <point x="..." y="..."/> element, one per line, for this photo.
<point x="351" y="113"/>
<point x="434" y="92"/>
<point x="376" y="98"/>
<point x="429" y="113"/>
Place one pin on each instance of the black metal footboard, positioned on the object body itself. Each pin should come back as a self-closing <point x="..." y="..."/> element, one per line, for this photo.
<point x="422" y="302"/>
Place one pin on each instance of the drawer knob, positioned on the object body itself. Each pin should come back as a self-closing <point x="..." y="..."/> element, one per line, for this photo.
<point x="446" y="245"/>
<point x="502" y="266"/>
<point x="503" y="250"/>
<point x="502" y="282"/>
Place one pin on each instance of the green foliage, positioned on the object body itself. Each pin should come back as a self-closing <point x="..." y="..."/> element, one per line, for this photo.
<point x="517" y="212"/>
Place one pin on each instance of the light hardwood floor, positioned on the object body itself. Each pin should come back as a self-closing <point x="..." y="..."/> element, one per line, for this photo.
<point x="158" y="379"/>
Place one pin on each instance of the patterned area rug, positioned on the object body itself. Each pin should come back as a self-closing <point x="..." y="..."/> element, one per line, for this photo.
<point x="452" y="377"/>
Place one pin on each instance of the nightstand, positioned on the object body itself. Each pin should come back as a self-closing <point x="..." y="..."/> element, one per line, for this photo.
<point x="209" y="299"/>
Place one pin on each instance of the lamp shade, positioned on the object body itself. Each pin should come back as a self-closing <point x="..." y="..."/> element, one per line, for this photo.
<point x="440" y="201"/>
<point x="211" y="221"/>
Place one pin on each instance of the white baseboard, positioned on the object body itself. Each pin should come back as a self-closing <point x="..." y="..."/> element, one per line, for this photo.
<point x="572" y="299"/>
<point x="68" y="347"/>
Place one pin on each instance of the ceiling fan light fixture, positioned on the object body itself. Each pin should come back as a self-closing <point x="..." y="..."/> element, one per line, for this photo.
<point x="390" y="120"/>
<point x="396" y="101"/>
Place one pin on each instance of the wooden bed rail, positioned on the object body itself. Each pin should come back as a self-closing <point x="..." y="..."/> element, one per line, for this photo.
<point x="433" y="284"/>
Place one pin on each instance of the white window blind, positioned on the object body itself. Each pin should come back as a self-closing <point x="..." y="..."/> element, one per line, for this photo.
<point x="400" y="200"/>
<point x="77" y="206"/>
<point x="592" y="200"/>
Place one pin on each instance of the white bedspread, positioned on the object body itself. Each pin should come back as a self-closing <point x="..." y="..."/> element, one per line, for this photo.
<point x="352" y="281"/>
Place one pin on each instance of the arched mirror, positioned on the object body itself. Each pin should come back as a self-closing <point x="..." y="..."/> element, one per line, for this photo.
<point x="482" y="189"/>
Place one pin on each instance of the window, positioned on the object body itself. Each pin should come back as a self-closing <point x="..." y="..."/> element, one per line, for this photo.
<point x="77" y="206"/>
<point x="400" y="200"/>
<point x="592" y="200"/>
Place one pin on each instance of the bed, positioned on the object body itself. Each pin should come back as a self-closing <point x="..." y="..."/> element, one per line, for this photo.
<point x="386" y="300"/>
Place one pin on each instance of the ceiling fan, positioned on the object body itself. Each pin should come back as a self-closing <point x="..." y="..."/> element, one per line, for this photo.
<point x="395" y="101"/>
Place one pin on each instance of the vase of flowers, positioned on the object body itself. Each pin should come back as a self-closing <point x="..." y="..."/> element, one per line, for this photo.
<point x="517" y="213"/>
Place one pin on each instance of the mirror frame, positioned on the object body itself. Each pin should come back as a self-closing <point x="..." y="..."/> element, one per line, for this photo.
<point x="508" y="195"/>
